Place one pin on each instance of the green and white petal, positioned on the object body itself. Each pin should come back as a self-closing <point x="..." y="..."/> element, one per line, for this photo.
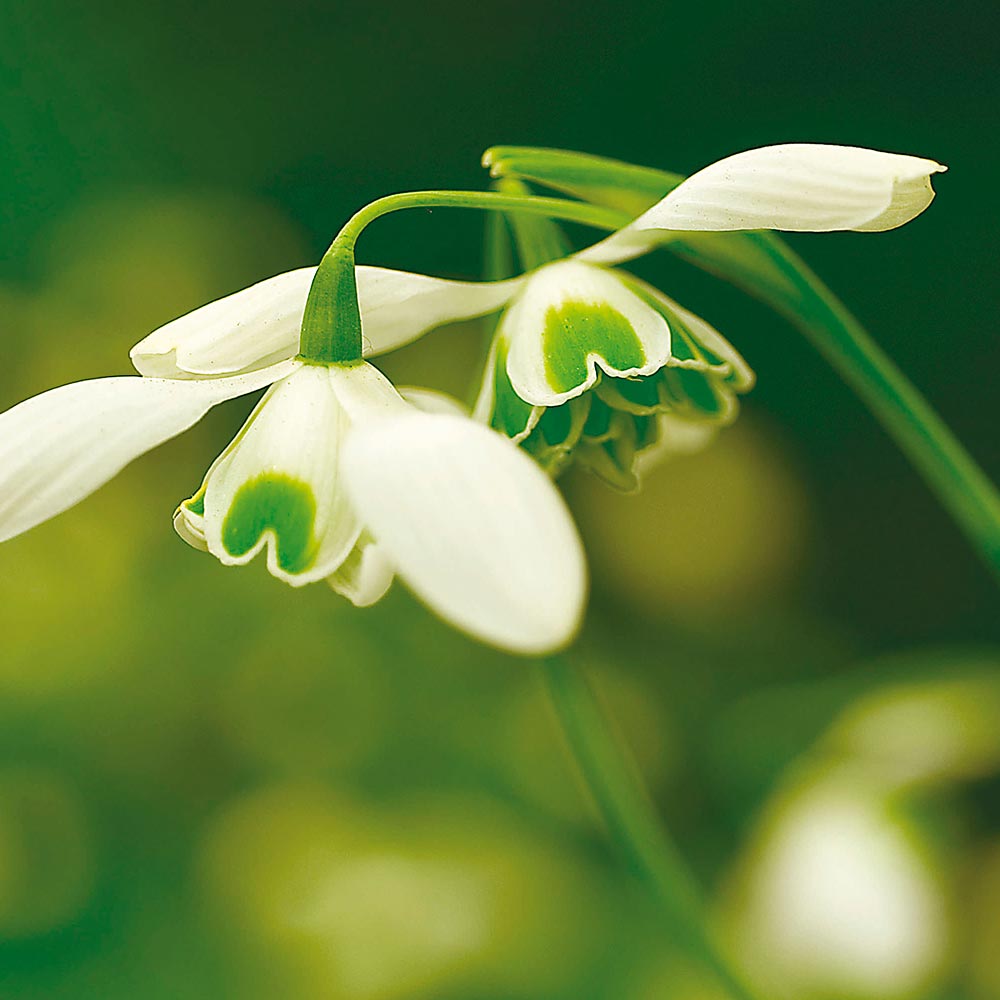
<point x="189" y="521"/>
<point x="260" y="325"/>
<point x="498" y="405"/>
<point x="59" y="447"/>
<point x="473" y="526"/>
<point x="279" y="488"/>
<point x="189" y="518"/>
<point x="365" y="576"/>
<point x="572" y="321"/>
<point x="799" y="187"/>
<point x="697" y="344"/>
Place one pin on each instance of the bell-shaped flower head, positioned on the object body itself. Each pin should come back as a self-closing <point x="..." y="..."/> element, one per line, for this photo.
<point x="335" y="476"/>
<point x="587" y="363"/>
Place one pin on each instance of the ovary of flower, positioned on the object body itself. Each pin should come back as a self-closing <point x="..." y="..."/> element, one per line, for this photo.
<point x="334" y="475"/>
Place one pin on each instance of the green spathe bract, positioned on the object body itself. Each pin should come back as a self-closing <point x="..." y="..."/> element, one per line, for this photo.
<point x="577" y="331"/>
<point x="275" y="503"/>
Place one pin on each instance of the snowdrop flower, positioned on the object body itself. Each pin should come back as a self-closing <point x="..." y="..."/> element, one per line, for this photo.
<point x="334" y="476"/>
<point x="654" y="366"/>
<point x="590" y="364"/>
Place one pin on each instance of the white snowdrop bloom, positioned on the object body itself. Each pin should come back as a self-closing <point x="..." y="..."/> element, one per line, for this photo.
<point x="334" y="476"/>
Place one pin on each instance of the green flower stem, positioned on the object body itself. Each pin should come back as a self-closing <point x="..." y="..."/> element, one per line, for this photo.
<point x="616" y="786"/>
<point x="331" y="324"/>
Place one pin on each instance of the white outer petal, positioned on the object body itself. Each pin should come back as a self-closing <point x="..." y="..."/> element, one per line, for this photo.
<point x="57" y="448"/>
<point x="297" y="431"/>
<point x="473" y="526"/>
<point x="570" y="281"/>
<point x="260" y="324"/>
<point x="397" y="307"/>
<point x="798" y="187"/>
<point x="625" y="245"/>
<point x="244" y="331"/>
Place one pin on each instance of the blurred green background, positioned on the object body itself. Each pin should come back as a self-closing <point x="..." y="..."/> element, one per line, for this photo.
<point x="213" y="786"/>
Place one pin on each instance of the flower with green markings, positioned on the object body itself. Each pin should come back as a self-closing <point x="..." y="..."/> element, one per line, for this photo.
<point x="334" y="477"/>
<point x="587" y="364"/>
<point x="573" y="372"/>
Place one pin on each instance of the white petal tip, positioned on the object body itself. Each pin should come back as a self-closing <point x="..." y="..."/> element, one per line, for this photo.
<point x="799" y="187"/>
<point x="474" y="527"/>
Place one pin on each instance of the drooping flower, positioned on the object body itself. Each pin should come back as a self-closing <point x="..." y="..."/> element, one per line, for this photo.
<point x="587" y="363"/>
<point x="335" y="476"/>
<point x="632" y="415"/>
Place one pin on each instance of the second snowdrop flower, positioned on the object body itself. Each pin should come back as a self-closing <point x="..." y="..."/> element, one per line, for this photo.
<point x="586" y="363"/>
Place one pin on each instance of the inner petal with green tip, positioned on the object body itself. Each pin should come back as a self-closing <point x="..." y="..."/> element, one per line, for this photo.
<point x="573" y="323"/>
<point x="508" y="414"/>
<point x="279" y="505"/>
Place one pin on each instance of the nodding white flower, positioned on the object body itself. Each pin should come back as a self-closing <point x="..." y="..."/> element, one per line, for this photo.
<point x="574" y="326"/>
<point x="335" y="476"/>
<point x="793" y="187"/>
<point x="587" y="364"/>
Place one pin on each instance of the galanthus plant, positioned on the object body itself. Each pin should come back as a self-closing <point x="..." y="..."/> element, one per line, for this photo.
<point x="334" y="475"/>
<point x="339" y="477"/>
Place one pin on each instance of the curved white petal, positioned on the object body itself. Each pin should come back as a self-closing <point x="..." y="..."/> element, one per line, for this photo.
<point x="397" y="307"/>
<point x="365" y="576"/>
<point x="365" y="393"/>
<point x="625" y="245"/>
<point x="247" y="330"/>
<point x="190" y="525"/>
<point x="57" y="448"/>
<point x="260" y="324"/>
<point x="799" y="187"/>
<point x="472" y="525"/>
<point x="572" y="320"/>
<point x="279" y="486"/>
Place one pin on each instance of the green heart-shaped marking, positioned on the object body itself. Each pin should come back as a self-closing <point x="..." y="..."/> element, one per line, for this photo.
<point x="575" y="330"/>
<point x="277" y="503"/>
